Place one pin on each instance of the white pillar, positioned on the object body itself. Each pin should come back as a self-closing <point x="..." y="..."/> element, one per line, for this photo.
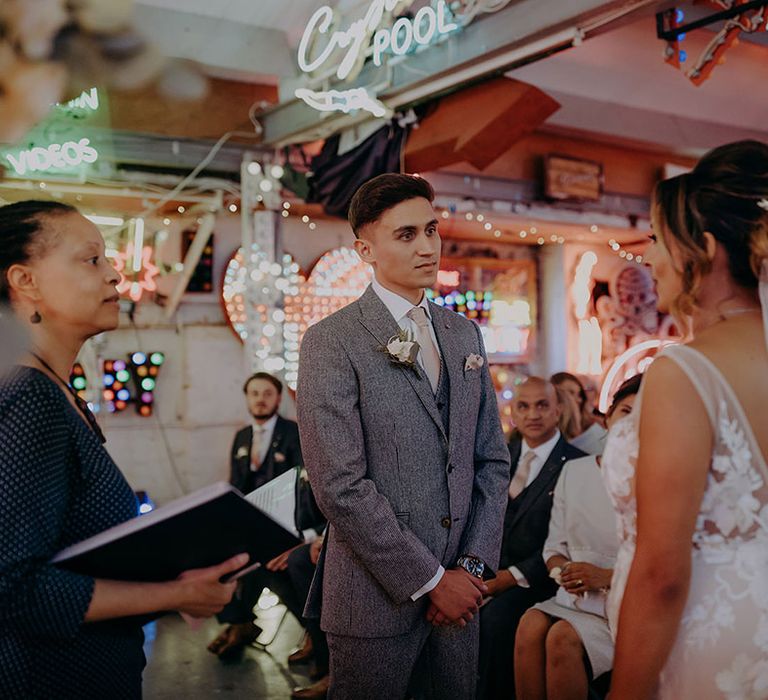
<point x="552" y="343"/>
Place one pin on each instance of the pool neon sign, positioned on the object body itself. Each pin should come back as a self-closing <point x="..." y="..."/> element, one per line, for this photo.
<point x="366" y="37"/>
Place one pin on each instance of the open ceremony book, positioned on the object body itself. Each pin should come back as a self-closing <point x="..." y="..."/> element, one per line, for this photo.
<point x="199" y="530"/>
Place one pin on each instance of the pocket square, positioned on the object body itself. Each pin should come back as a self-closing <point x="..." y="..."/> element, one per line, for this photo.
<point x="473" y="362"/>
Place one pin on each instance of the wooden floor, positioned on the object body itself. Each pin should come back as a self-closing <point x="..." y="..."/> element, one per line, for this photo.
<point x="180" y="666"/>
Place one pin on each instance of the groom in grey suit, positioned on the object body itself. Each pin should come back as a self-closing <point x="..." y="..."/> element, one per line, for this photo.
<point x="406" y="456"/>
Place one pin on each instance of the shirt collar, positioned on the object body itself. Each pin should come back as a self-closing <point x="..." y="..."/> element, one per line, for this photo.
<point x="268" y="427"/>
<point x="396" y="305"/>
<point x="543" y="451"/>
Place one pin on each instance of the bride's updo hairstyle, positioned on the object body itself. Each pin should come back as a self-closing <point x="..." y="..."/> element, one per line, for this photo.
<point x="727" y="195"/>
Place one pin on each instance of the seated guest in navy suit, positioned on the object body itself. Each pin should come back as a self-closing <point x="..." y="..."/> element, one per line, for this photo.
<point x="537" y="453"/>
<point x="262" y="451"/>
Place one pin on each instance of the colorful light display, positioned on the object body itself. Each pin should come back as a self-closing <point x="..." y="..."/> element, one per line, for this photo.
<point x="133" y="381"/>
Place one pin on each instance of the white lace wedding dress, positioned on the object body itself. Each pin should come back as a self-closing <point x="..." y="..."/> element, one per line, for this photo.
<point x="721" y="650"/>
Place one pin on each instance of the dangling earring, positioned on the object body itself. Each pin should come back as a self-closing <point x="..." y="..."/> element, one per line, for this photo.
<point x="35" y="317"/>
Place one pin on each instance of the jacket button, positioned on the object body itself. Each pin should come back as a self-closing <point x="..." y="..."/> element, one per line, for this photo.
<point x="446" y="523"/>
<point x="450" y="468"/>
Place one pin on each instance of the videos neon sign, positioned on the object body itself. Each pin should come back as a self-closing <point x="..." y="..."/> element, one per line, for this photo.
<point x="57" y="156"/>
<point x="366" y="37"/>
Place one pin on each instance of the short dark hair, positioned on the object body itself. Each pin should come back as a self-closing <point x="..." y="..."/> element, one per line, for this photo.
<point x="628" y="388"/>
<point x="381" y="193"/>
<point x="267" y="377"/>
<point x="21" y="229"/>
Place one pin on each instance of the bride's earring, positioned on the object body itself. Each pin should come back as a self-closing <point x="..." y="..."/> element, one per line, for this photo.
<point x="35" y="317"/>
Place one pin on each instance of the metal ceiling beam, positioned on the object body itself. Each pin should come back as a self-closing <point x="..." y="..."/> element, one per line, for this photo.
<point x="522" y="32"/>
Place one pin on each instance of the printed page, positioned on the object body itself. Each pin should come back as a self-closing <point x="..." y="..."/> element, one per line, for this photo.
<point x="277" y="498"/>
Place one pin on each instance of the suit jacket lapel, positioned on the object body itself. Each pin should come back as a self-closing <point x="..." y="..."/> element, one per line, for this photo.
<point x="377" y="320"/>
<point x="548" y="474"/>
<point x="244" y="463"/>
<point x="452" y="362"/>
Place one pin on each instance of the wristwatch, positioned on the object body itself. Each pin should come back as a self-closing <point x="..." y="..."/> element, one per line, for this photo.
<point x="472" y="565"/>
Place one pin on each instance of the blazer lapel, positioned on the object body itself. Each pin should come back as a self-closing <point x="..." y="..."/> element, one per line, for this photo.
<point x="376" y="319"/>
<point x="548" y="474"/>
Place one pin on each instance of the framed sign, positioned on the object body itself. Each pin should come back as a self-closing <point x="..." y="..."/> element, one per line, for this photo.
<point x="568" y="178"/>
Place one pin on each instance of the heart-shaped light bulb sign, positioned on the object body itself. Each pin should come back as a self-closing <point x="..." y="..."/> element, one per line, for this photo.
<point x="284" y="298"/>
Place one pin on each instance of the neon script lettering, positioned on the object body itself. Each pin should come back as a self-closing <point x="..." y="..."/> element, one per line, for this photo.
<point x="355" y="41"/>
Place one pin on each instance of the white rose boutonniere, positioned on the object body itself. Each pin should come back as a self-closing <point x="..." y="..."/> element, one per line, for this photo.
<point x="279" y="457"/>
<point x="402" y="350"/>
<point x="242" y="452"/>
<point x="473" y="362"/>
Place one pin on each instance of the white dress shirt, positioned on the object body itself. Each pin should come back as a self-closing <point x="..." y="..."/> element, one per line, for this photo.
<point x="399" y="307"/>
<point x="542" y="453"/>
<point x="262" y="436"/>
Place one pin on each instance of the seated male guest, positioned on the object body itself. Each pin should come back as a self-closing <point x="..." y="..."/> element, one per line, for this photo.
<point x="263" y="450"/>
<point x="537" y="453"/>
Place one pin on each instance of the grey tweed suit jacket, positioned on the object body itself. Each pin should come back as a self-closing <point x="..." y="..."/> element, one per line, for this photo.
<point x="402" y="494"/>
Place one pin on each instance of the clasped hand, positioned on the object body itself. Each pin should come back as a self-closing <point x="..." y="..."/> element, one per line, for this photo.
<point x="456" y="599"/>
<point x="579" y="577"/>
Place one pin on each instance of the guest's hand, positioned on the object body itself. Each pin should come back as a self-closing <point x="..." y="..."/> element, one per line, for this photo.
<point x="200" y="593"/>
<point x="314" y="550"/>
<point x="579" y="577"/>
<point x="280" y="562"/>
<point x="456" y="599"/>
<point x="504" y="581"/>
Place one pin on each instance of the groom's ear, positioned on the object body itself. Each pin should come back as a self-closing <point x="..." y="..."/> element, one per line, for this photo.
<point x="364" y="248"/>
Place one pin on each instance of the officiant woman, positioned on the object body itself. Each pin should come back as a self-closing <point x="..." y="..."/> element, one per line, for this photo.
<point x="62" y="634"/>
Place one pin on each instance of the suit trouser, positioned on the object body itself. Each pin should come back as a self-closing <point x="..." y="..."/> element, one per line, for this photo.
<point x="433" y="663"/>
<point x="499" y="619"/>
<point x="302" y="570"/>
<point x="249" y="588"/>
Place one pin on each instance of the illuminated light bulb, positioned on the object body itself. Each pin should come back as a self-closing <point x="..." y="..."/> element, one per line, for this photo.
<point x="445" y="214"/>
<point x="497" y="234"/>
<point x="540" y="241"/>
<point x="233" y="207"/>
<point x="285" y="213"/>
<point x="469" y="216"/>
<point x="312" y="225"/>
<point x="593" y="228"/>
<point x="254" y="168"/>
<point x="487" y="226"/>
<point x="612" y="242"/>
<point x="286" y="205"/>
<point x="533" y="229"/>
<point x="181" y="209"/>
<point x="265" y="185"/>
<point x="615" y="246"/>
<point x="305" y="219"/>
<point x="43" y="185"/>
<point x="639" y="258"/>
<point x="622" y="254"/>
<point x="277" y="171"/>
<point x="166" y="221"/>
<point x="630" y="256"/>
<point x="553" y="238"/>
<point x="480" y="218"/>
<point x="523" y="234"/>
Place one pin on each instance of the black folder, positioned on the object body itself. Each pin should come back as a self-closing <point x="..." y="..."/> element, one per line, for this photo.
<point x="199" y="530"/>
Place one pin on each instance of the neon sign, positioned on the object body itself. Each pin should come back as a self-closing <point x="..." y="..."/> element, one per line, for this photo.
<point x="366" y="37"/>
<point x="56" y="156"/>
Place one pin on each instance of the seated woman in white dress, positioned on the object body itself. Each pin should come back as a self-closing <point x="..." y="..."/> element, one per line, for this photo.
<point x="564" y="642"/>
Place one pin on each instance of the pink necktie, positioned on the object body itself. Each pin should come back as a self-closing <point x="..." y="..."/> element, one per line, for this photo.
<point x="520" y="479"/>
<point x="430" y="358"/>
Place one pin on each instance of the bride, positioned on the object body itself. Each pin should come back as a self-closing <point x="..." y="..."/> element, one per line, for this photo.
<point x="687" y="470"/>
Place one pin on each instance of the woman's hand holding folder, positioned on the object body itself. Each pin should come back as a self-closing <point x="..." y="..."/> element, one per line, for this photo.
<point x="196" y="593"/>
